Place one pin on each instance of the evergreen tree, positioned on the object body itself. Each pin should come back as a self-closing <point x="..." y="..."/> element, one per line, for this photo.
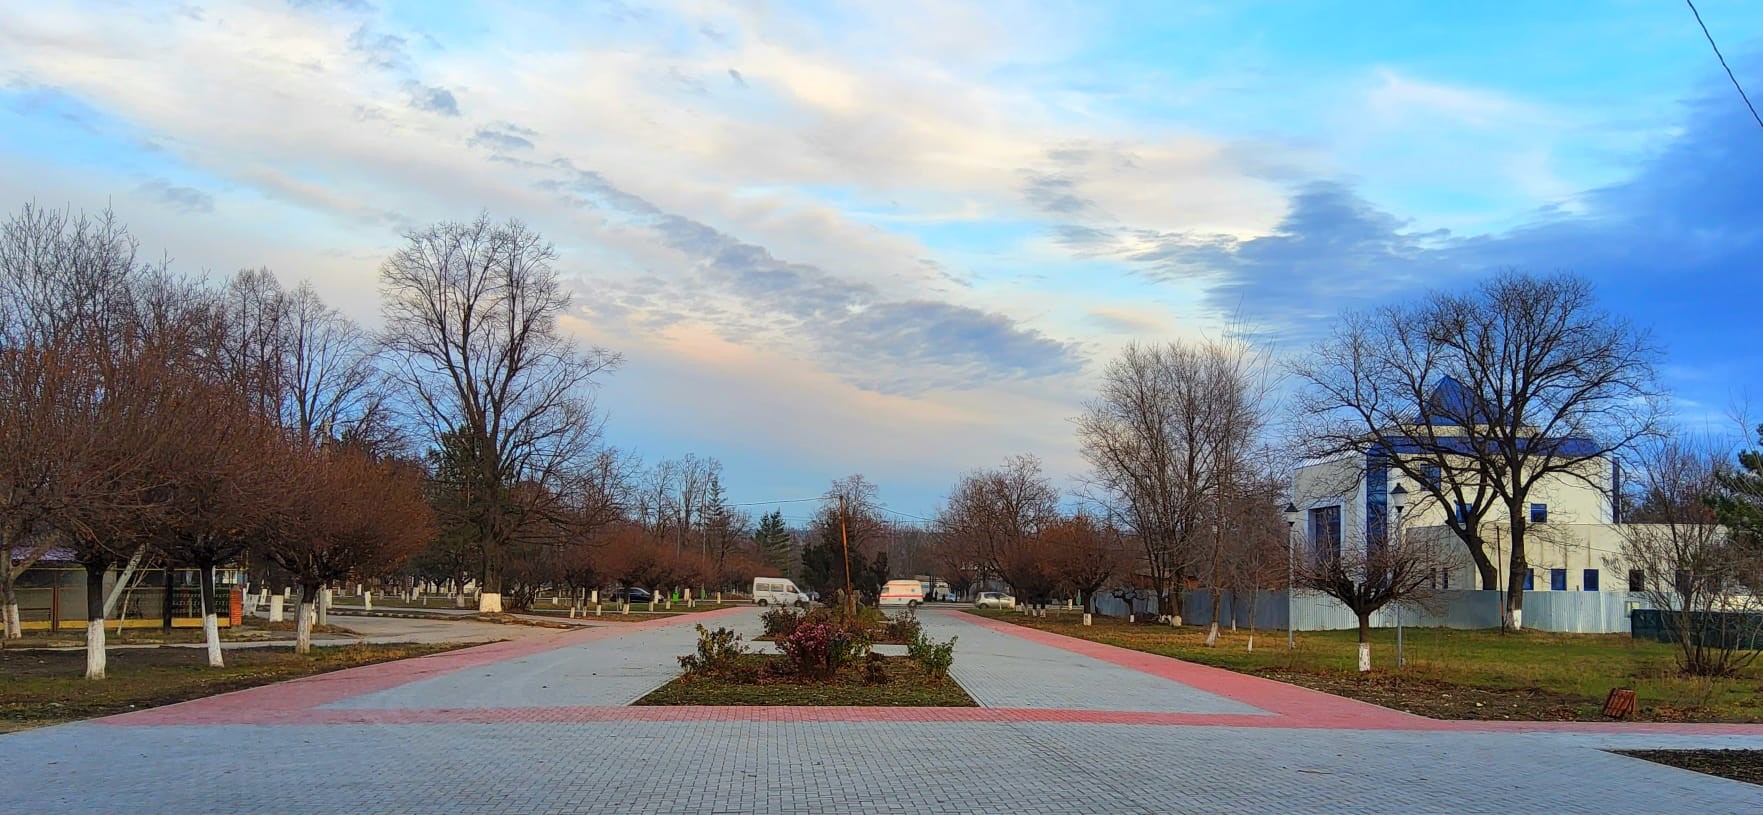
<point x="1739" y="500"/>
<point x="773" y="541"/>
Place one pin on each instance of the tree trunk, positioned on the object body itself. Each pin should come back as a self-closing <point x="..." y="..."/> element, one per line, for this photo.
<point x="210" y="620"/>
<point x="9" y="628"/>
<point x="1217" y="607"/>
<point x="13" y="628"/>
<point x="170" y="592"/>
<point x="1364" y="643"/>
<point x="1520" y="566"/>
<point x="95" y="619"/>
<point x="303" y="619"/>
<point x="489" y="595"/>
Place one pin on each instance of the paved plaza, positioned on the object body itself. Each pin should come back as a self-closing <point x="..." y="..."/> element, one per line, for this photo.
<point x="542" y="724"/>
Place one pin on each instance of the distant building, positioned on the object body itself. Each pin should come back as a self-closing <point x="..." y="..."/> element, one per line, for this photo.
<point x="1573" y="540"/>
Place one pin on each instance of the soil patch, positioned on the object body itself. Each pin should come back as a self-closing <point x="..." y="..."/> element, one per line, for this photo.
<point x="1738" y="765"/>
<point x="907" y="685"/>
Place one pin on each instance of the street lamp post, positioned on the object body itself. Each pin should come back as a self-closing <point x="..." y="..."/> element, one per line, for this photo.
<point x="1291" y="513"/>
<point x="1399" y="500"/>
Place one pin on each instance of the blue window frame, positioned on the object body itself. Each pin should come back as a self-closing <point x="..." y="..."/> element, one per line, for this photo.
<point x="1325" y="531"/>
<point x="1590" y="581"/>
<point x="1557" y="580"/>
<point x="1530" y="582"/>
<point x="1539" y="513"/>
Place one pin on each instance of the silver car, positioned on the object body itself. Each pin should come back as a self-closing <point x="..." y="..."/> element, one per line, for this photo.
<point x="994" y="599"/>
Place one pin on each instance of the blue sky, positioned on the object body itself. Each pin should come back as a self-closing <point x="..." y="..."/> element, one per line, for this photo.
<point x="900" y="239"/>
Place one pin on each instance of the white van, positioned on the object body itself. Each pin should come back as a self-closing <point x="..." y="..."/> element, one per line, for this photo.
<point x="779" y="591"/>
<point x="906" y="593"/>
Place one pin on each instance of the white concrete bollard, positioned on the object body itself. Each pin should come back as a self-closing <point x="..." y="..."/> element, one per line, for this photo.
<point x="367" y="601"/>
<point x="275" y="609"/>
<point x="719" y="598"/>
<point x="359" y="590"/>
<point x="595" y="597"/>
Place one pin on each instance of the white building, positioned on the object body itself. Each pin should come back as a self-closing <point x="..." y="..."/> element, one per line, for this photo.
<point x="1573" y="542"/>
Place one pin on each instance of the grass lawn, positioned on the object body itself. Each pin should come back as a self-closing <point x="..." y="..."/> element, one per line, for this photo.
<point x="1453" y="674"/>
<point x="40" y="688"/>
<point x="907" y="686"/>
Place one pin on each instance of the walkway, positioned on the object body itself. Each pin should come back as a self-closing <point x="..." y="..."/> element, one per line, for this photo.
<point x="537" y="725"/>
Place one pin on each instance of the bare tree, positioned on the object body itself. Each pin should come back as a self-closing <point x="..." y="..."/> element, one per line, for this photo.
<point x="1000" y="514"/>
<point x="1701" y="576"/>
<point x="471" y="315"/>
<point x="1087" y="555"/>
<point x="1480" y="397"/>
<point x="1168" y="434"/>
<point x="346" y="514"/>
<point x="1392" y="568"/>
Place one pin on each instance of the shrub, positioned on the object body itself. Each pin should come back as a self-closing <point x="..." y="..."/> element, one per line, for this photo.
<point x="817" y="649"/>
<point x="874" y="670"/>
<point x="781" y="621"/>
<point x="719" y="654"/>
<point x="902" y="627"/>
<point x="935" y="657"/>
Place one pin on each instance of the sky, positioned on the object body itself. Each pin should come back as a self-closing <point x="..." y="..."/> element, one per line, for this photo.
<point x="902" y="239"/>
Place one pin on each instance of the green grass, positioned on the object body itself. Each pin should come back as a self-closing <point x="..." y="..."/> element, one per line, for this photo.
<point x="907" y="686"/>
<point x="1566" y="673"/>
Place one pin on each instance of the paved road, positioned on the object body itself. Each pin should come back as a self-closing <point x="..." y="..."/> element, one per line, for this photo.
<point x="537" y="725"/>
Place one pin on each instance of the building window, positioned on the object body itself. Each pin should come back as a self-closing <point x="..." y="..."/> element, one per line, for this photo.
<point x="1530" y="579"/>
<point x="1557" y="580"/>
<point x="1590" y="581"/>
<point x="1429" y="476"/>
<point x="1637" y="580"/>
<point x="1444" y="578"/>
<point x="1325" y="531"/>
<point x="1464" y="511"/>
<point x="1539" y="513"/>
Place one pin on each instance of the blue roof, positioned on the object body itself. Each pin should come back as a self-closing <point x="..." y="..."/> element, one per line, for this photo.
<point x="1451" y="402"/>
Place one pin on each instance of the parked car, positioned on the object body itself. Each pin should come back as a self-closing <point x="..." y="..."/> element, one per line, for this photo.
<point x="631" y="594"/>
<point x="778" y="591"/>
<point x="896" y="593"/>
<point x="994" y="599"/>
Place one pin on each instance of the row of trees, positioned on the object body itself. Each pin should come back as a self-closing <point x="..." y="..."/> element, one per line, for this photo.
<point x="151" y="417"/>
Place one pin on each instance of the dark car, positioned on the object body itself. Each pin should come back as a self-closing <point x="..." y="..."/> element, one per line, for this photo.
<point x="632" y="595"/>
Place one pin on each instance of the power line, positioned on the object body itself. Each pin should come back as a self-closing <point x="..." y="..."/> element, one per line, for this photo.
<point x="782" y="501"/>
<point x="1722" y="58"/>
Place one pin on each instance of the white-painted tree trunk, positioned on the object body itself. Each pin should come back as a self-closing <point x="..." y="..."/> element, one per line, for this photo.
<point x="1212" y="634"/>
<point x="1251" y="643"/>
<point x="1086" y="618"/>
<point x="489" y="602"/>
<point x="122" y="582"/>
<point x="14" y="624"/>
<point x="1516" y="623"/>
<point x="303" y="626"/>
<point x="95" y="648"/>
<point x="211" y="633"/>
<point x="275" y="608"/>
<point x="1364" y="657"/>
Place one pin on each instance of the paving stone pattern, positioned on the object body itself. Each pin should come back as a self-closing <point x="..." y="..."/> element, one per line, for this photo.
<point x="536" y="727"/>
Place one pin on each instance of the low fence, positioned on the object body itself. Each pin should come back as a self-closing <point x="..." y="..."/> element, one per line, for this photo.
<point x="55" y="598"/>
<point x="1716" y="629"/>
<point x="1583" y="612"/>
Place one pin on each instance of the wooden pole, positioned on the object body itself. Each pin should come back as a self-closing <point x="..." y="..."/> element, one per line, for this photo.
<point x="845" y="543"/>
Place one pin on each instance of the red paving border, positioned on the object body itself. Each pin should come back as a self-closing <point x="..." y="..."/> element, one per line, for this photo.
<point x="300" y="701"/>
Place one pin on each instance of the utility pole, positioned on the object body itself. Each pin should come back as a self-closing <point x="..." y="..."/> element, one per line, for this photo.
<point x="845" y="543"/>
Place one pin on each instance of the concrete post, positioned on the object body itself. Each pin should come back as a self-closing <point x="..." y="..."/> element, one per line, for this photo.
<point x="367" y="601"/>
<point x="324" y="605"/>
<point x="275" y="609"/>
